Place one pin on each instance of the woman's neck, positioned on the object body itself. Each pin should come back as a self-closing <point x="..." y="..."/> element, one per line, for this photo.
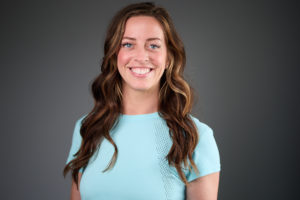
<point x="139" y="102"/>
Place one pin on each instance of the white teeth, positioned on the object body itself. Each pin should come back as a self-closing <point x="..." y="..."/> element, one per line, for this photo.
<point x="140" y="70"/>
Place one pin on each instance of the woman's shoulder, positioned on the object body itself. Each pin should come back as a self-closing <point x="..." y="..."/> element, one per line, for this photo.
<point x="201" y="126"/>
<point x="80" y="119"/>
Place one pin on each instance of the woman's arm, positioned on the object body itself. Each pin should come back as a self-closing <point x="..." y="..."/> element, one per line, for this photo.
<point x="75" y="194"/>
<point x="204" y="188"/>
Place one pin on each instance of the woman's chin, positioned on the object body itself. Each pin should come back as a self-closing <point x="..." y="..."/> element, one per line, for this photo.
<point x="142" y="88"/>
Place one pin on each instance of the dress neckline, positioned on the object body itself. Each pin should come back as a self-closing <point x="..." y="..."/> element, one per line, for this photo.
<point x="140" y="116"/>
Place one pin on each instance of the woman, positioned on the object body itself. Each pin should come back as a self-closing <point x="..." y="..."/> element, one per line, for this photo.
<point x="140" y="140"/>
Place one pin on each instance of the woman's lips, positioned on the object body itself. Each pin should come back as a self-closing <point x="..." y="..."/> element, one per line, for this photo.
<point x="140" y="75"/>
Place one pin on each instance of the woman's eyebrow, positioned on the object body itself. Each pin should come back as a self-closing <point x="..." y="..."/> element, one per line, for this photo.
<point x="150" y="39"/>
<point x="129" y="38"/>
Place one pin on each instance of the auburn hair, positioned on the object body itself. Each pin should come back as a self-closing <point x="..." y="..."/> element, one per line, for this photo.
<point x="176" y="96"/>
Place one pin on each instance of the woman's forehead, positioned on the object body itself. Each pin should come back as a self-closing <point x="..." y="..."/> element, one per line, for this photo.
<point x="143" y="27"/>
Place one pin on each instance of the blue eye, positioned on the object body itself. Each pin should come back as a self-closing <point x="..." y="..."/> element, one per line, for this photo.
<point x="154" y="46"/>
<point x="128" y="45"/>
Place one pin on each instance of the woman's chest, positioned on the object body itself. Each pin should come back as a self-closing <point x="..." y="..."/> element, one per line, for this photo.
<point x="140" y="171"/>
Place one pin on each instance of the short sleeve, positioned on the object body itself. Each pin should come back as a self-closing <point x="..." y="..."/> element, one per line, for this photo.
<point x="206" y="154"/>
<point x="76" y="141"/>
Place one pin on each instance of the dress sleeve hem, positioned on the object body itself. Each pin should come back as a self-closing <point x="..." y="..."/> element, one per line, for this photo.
<point x="194" y="176"/>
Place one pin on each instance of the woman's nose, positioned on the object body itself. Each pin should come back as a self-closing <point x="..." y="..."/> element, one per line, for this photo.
<point x="141" y="55"/>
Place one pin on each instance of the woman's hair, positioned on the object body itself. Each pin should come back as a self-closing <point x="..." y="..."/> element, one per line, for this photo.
<point x="175" y="96"/>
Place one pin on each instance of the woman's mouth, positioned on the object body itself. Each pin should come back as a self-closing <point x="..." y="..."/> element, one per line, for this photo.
<point x="141" y="72"/>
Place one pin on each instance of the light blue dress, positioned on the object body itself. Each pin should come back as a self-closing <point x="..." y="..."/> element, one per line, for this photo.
<point x="141" y="171"/>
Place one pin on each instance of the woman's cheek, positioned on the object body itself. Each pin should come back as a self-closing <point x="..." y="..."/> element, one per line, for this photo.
<point x="160" y="60"/>
<point x="123" y="58"/>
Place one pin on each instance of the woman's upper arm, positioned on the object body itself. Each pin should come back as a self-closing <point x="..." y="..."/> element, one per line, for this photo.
<point x="204" y="188"/>
<point x="75" y="194"/>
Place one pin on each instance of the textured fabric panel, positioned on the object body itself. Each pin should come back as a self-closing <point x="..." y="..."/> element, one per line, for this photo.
<point x="163" y="145"/>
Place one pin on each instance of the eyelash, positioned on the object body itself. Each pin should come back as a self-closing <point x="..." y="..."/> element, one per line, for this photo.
<point x="124" y="44"/>
<point x="156" y="46"/>
<point x="151" y="45"/>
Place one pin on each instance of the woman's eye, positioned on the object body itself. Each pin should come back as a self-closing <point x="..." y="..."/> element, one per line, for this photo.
<point x="128" y="45"/>
<point x="154" y="46"/>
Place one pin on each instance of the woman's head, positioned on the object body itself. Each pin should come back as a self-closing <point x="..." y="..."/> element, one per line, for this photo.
<point x="132" y="22"/>
<point x="142" y="57"/>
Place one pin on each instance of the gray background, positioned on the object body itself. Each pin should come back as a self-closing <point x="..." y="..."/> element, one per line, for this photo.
<point x="242" y="58"/>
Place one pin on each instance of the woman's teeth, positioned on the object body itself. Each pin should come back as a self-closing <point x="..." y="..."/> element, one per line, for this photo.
<point x="140" y="70"/>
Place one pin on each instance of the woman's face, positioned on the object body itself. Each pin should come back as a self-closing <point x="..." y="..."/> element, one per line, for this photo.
<point x="143" y="54"/>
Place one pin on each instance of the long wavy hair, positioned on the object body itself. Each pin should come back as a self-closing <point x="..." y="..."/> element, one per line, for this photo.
<point x="176" y="96"/>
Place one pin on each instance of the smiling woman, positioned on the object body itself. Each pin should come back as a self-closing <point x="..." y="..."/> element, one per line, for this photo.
<point x="142" y="57"/>
<point x="140" y="140"/>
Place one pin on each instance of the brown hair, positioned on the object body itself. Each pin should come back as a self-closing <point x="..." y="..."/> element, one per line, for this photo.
<point x="175" y="96"/>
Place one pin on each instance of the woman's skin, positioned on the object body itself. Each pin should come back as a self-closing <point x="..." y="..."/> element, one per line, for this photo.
<point x="75" y="194"/>
<point x="204" y="188"/>
<point x="143" y="46"/>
